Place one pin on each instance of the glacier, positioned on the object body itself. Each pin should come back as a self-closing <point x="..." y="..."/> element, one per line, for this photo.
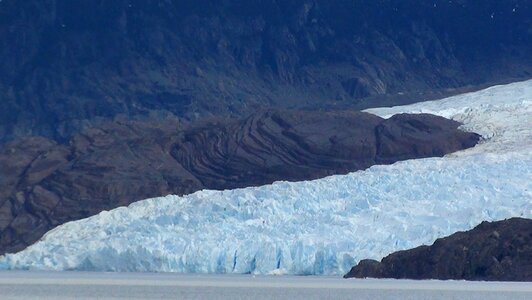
<point x="322" y="226"/>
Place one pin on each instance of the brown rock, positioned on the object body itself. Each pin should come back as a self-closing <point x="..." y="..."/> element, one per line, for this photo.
<point x="44" y="184"/>
<point x="500" y="251"/>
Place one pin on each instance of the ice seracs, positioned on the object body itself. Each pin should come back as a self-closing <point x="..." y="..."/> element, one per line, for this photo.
<point x="501" y="114"/>
<point x="322" y="226"/>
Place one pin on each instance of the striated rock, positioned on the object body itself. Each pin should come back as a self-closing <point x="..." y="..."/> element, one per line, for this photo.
<point x="44" y="184"/>
<point x="500" y="251"/>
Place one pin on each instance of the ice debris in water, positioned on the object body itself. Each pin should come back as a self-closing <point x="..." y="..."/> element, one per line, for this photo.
<point x="322" y="226"/>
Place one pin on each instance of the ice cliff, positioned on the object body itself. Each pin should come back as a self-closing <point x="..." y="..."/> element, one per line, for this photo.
<point x="323" y="226"/>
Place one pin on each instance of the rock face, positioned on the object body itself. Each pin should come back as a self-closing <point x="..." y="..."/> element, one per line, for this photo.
<point x="44" y="184"/>
<point x="68" y="65"/>
<point x="499" y="251"/>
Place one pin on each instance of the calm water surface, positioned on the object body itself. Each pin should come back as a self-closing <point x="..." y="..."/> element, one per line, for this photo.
<point x="84" y="285"/>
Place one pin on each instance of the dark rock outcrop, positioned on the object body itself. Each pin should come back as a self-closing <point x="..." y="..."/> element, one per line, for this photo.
<point x="500" y="251"/>
<point x="68" y="65"/>
<point x="44" y="184"/>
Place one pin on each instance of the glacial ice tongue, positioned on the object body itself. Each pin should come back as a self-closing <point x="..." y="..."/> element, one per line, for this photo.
<point x="322" y="226"/>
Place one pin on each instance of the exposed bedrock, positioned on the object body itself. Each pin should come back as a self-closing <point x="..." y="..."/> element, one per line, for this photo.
<point x="44" y="184"/>
<point x="500" y="251"/>
<point x="69" y="65"/>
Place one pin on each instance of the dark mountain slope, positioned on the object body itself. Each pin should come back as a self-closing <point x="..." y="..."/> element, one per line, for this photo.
<point x="68" y="65"/>
<point x="44" y="184"/>
<point x="500" y="251"/>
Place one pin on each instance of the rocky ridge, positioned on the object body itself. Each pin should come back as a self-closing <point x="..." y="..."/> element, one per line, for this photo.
<point x="44" y="184"/>
<point x="499" y="251"/>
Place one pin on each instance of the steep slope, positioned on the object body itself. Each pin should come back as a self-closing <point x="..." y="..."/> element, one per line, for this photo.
<point x="68" y="65"/>
<point x="44" y="184"/>
<point x="500" y="251"/>
<point x="322" y="226"/>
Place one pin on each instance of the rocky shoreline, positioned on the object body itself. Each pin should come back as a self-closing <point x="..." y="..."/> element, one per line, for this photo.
<point x="492" y="251"/>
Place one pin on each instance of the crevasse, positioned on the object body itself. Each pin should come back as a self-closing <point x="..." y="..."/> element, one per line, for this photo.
<point x="322" y="226"/>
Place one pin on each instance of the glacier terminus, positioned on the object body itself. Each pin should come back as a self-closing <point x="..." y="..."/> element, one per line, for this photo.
<point x="322" y="226"/>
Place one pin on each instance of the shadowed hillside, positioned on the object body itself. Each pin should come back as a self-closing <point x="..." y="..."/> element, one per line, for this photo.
<point x="68" y="65"/>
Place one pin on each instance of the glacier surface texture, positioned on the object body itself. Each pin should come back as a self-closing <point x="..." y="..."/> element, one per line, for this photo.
<point x="317" y="227"/>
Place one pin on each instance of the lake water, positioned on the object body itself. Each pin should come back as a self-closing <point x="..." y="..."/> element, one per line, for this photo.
<point x="87" y="285"/>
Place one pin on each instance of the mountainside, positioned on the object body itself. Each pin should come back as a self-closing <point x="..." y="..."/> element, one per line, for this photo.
<point x="44" y="184"/>
<point x="68" y="65"/>
<point x="322" y="226"/>
<point x="104" y="103"/>
<point x="500" y="251"/>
